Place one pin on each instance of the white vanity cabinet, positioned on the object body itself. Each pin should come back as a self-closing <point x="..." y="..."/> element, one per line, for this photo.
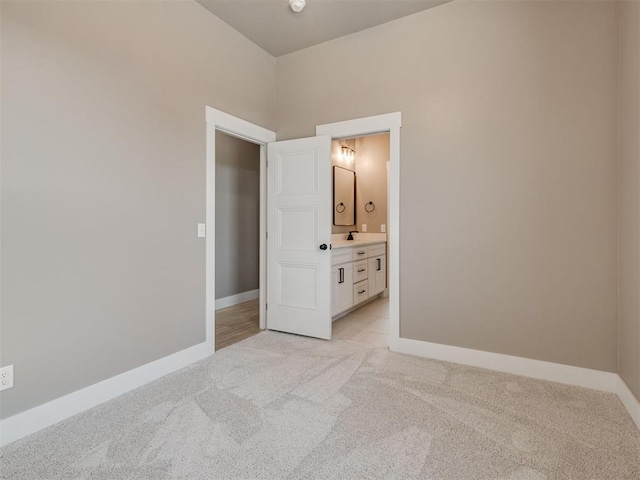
<point x="357" y="274"/>
<point x="377" y="268"/>
<point x="341" y="288"/>
<point x="377" y="275"/>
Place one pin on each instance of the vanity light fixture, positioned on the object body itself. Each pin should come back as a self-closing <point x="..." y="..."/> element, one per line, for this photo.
<point x="347" y="153"/>
<point x="297" y="5"/>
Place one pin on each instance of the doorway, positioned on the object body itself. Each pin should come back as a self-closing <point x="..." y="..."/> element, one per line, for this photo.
<point x="361" y="318"/>
<point x="237" y="204"/>
<point x="218" y="123"/>
<point x="390" y="123"/>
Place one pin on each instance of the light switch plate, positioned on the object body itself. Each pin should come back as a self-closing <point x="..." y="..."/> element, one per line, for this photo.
<point x="202" y="230"/>
<point x="383" y="228"/>
<point x="364" y="227"/>
<point x="6" y="377"/>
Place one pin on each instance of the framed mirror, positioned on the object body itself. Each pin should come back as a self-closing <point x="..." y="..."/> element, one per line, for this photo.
<point x="344" y="196"/>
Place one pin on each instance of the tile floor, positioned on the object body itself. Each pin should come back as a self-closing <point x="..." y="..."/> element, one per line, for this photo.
<point x="368" y="324"/>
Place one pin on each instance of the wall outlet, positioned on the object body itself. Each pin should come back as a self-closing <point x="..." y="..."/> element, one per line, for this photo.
<point x="202" y="230"/>
<point x="364" y="227"/>
<point x="6" y="377"/>
<point x="383" y="228"/>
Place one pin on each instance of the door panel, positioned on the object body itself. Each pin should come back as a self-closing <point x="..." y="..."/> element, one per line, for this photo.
<point x="297" y="229"/>
<point x="297" y="285"/>
<point x="298" y="223"/>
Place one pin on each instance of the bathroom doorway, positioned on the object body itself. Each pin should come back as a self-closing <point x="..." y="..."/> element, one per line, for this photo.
<point x="382" y="324"/>
<point x="361" y="317"/>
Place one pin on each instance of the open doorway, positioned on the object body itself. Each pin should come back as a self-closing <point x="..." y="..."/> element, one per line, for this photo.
<point x="361" y="302"/>
<point x="385" y="305"/>
<point x="237" y="251"/>
<point x="225" y="128"/>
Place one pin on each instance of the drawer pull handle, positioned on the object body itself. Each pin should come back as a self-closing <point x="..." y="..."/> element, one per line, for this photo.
<point x="379" y="264"/>
<point x="361" y="292"/>
<point x="341" y="275"/>
<point x="360" y="271"/>
<point x="361" y="253"/>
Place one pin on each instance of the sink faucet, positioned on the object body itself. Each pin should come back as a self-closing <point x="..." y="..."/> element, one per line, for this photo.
<point x="350" y="237"/>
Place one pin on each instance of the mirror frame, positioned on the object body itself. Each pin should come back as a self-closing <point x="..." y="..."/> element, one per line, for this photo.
<point x="334" y="197"/>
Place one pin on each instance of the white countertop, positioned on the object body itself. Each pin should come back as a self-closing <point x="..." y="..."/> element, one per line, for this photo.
<point x="354" y="243"/>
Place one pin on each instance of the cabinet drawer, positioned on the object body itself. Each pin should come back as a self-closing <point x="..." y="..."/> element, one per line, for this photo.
<point x="360" y="292"/>
<point x="376" y="250"/>
<point x="360" y="253"/>
<point x="342" y="255"/>
<point x="359" y="271"/>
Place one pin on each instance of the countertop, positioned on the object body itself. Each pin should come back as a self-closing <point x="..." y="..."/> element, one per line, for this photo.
<point x="354" y="243"/>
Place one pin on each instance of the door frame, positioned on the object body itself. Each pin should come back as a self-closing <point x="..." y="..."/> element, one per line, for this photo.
<point x="244" y="130"/>
<point x="391" y="123"/>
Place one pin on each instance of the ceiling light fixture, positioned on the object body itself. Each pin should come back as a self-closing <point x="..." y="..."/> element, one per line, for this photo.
<point x="297" y="5"/>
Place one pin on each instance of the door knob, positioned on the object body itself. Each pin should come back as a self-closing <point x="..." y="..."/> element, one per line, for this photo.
<point x="323" y="246"/>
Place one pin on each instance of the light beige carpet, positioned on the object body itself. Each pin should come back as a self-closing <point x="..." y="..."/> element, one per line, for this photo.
<point x="282" y="406"/>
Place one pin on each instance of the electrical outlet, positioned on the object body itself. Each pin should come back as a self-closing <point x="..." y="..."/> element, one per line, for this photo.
<point x="202" y="230"/>
<point x="6" y="377"/>
<point x="383" y="228"/>
<point x="364" y="227"/>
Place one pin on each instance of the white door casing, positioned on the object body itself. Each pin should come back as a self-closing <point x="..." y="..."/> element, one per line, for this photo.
<point x="392" y="123"/>
<point x="299" y="227"/>
<point x="236" y="127"/>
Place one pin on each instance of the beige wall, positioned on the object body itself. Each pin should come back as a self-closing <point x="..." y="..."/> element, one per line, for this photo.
<point x="103" y="182"/>
<point x="237" y="216"/>
<point x="370" y="165"/>
<point x="508" y="183"/>
<point x="629" y="196"/>
<point x="371" y="181"/>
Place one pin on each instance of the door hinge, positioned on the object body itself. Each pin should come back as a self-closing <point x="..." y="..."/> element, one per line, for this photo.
<point x="266" y="306"/>
<point x="267" y="235"/>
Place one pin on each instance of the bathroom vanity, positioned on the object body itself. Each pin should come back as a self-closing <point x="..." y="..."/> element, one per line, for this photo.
<point x="358" y="273"/>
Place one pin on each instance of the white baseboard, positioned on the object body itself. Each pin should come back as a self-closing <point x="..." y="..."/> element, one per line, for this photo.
<point x="629" y="400"/>
<point x="526" y="367"/>
<point x="554" y="372"/>
<point x="236" y="299"/>
<point x="30" y="421"/>
<point x="42" y="416"/>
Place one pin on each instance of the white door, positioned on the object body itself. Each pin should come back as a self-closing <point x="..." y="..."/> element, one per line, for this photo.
<point x="299" y="236"/>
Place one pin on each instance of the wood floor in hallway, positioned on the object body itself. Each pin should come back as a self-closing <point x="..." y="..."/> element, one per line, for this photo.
<point x="236" y="323"/>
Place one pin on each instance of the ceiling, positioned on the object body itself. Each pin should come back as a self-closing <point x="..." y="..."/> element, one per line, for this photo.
<point x="273" y="26"/>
